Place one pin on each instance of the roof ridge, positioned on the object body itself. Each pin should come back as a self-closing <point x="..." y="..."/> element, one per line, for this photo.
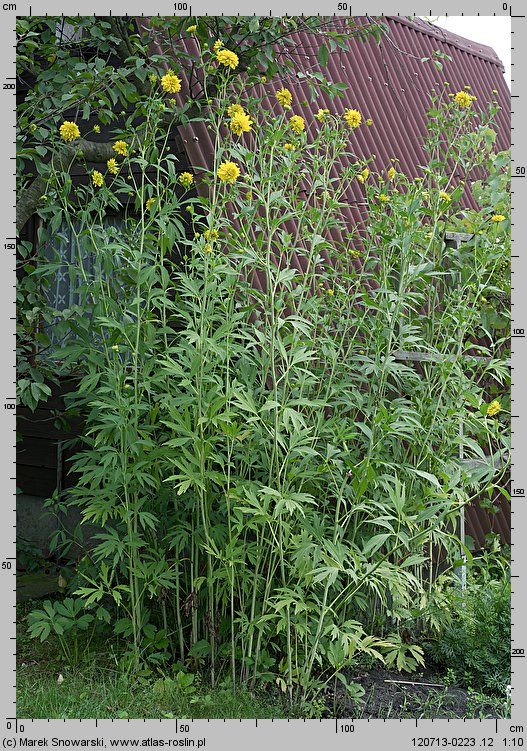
<point x="469" y="46"/>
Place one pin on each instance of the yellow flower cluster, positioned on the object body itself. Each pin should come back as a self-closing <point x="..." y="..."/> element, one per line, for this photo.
<point x="284" y="97"/>
<point x="391" y="174"/>
<point x="97" y="178"/>
<point x="363" y="175"/>
<point x="383" y="197"/>
<point x="192" y="29"/>
<point x="210" y="234"/>
<point x="498" y="218"/>
<point x="186" y="179"/>
<point x="289" y="147"/>
<point x="228" y="172"/>
<point x="353" y="118"/>
<point x="241" y="122"/>
<point x="121" y="147"/>
<point x="218" y="44"/>
<point x="232" y="109"/>
<point x="171" y="83"/>
<point x="227" y="58"/>
<point x="297" y="124"/>
<point x="69" y="131"/>
<point x="493" y="408"/>
<point x="150" y="203"/>
<point x="96" y="128"/>
<point x="444" y="196"/>
<point x="321" y="115"/>
<point x="463" y="99"/>
<point x="113" y="167"/>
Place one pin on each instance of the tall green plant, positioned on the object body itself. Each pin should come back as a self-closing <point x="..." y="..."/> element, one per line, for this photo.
<point x="269" y="480"/>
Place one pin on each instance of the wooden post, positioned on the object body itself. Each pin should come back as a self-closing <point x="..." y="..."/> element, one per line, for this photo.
<point x="455" y="240"/>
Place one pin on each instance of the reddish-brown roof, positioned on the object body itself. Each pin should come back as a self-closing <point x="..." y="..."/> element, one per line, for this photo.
<point x="389" y="83"/>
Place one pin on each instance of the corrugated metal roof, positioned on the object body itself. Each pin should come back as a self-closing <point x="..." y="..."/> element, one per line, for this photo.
<point x="390" y="84"/>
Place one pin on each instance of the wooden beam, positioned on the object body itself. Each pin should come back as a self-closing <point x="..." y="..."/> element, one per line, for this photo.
<point x="497" y="462"/>
<point x="405" y="355"/>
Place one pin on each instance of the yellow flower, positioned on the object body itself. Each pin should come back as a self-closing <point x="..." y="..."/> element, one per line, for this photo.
<point x="330" y="292"/>
<point x="207" y="248"/>
<point x="241" y="123"/>
<point x="289" y="147"/>
<point x="227" y="58"/>
<point x="493" y="408"/>
<point x="354" y="253"/>
<point x="150" y="203"/>
<point x="284" y="97"/>
<point x="69" y="131"/>
<point x="263" y="79"/>
<point x="210" y="234"/>
<point x="113" y="167"/>
<point x="297" y="123"/>
<point x="235" y="109"/>
<point x="444" y="196"/>
<point x="121" y="147"/>
<point x="192" y="29"/>
<point x="321" y="115"/>
<point x="383" y="197"/>
<point x="97" y="178"/>
<point x="391" y="173"/>
<point x="186" y="179"/>
<point x="463" y="99"/>
<point x="364" y="175"/>
<point x="218" y="44"/>
<point x="369" y="121"/>
<point x="228" y="172"/>
<point x="498" y="218"/>
<point x="353" y="118"/>
<point x="171" y="83"/>
<point x="96" y="128"/>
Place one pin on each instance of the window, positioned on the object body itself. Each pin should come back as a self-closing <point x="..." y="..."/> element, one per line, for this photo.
<point x="74" y="255"/>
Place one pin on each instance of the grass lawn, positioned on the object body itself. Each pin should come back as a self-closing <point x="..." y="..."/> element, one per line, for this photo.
<point x="49" y="688"/>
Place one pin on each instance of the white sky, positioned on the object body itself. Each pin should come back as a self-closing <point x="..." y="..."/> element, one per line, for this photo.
<point x="495" y="31"/>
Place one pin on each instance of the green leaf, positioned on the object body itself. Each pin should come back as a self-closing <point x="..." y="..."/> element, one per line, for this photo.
<point x="323" y="55"/>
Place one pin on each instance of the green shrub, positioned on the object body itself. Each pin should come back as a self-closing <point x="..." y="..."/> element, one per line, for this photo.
<point x="474" y="644"/>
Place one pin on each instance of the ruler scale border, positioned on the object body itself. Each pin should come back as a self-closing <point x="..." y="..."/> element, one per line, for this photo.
<point x="234" y="734"/>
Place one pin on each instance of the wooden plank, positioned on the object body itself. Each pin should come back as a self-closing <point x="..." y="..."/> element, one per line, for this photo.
<point x="40" y="481"/>
<point x="37" y="452"/>
<point x="406" y="355"/>
<point x="40" y="424"/>
<point x="491" y="461"/>
<point x="457" y="237"/>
